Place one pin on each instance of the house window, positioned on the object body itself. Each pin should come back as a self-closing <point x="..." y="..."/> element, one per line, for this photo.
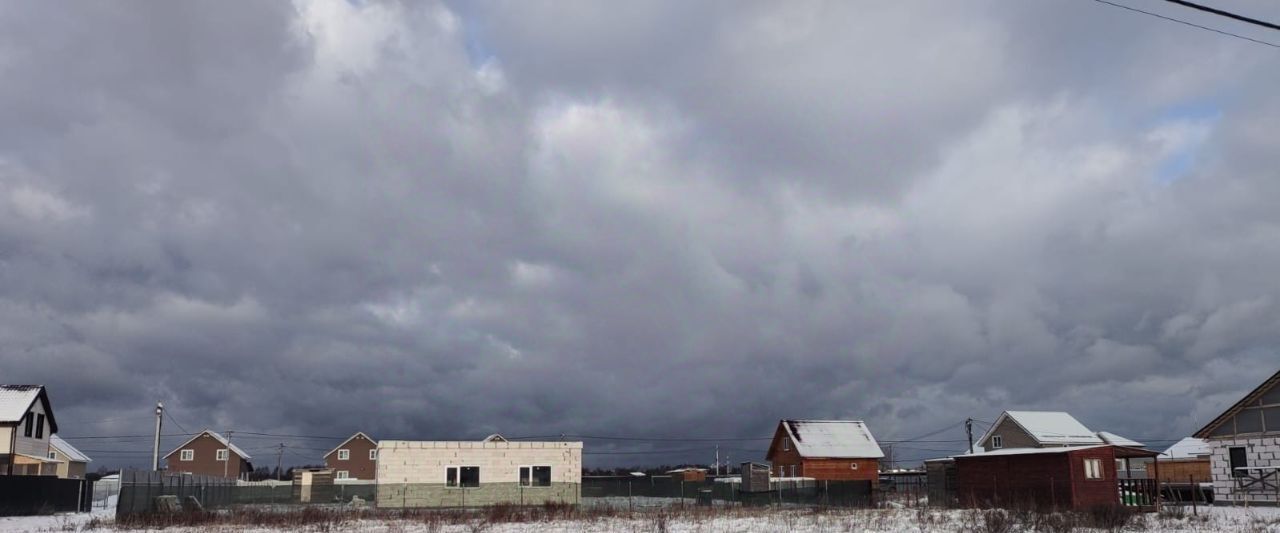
<point x="1236" y="458"/>
<point x="535" y="476"/>
<point x="1093" y="468"/>
<point x="187" y="455"/>
<point x="462" y="476"/>
<point x="53" y="455"/>
<point x="222" y="455"/>
<point x="26" y="429"/>
<point x="786" y="444"/>
<point x="39" y="426"/>
<point x="997" y="442"/>
<point x="373" y="455"/>
<point x="793" y="470"/>
<point x="781" y="472"/>
<point x="343" y="455"/>
<point x="343" y="474"/>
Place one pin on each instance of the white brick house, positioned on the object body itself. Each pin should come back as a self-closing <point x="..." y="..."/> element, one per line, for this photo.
<point x="1244" y="442"/>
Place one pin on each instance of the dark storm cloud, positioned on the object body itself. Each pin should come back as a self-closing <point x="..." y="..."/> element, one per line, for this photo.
<point x="441" y="221"/>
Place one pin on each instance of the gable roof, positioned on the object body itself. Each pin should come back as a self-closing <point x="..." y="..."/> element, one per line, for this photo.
<point x="217" y="437"/>
<point x="836" y="439"/>
<point x="1188" y="448"/>
<point x="1047" y="427"/>
<point x="344" y="443"/>
<point x="68" y="450"/>
<point x="16" y="400"/>
<point x="1252" y="397"/>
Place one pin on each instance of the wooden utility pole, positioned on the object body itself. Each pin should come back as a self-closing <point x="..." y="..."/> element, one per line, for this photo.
<point x="226" y="464"/>
<point x="155" y="445"/>
<point x="968" y="430"/>
<point x="279" y="462"/>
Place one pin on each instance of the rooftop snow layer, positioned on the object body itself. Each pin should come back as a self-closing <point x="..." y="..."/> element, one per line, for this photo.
<point x="833" y="439"/>
<point x="1188" y="448"/>
<point x="1028" y="451"/>
<point x="1054" y="427"/>
<point x="15" y="400"/>
<point x="68" y="450"/>
<point x="1111" y="438"/>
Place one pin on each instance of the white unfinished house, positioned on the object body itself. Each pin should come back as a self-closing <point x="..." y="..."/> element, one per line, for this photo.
<point x="1244" y="447"/>
<point x="477" y="473"/>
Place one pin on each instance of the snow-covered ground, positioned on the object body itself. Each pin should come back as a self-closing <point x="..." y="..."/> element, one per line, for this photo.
<point x="1250" y="520"/>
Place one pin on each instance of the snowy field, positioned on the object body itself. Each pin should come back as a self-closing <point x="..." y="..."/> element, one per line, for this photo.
<point x="650" y="520"/>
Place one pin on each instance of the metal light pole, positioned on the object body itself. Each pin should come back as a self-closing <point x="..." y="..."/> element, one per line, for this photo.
<point x="155" y="446"/>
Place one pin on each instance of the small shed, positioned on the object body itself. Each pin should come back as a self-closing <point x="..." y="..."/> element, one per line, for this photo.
<point x="941" y="478"/>
<point x="1069" y="477"/>
<point x="688" y="474"/>
<point x="755" y="477"/>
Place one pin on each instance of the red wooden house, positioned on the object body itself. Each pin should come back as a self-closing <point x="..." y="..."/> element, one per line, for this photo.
<point x="825" y="450"/>
<point x="1071" y="477"/>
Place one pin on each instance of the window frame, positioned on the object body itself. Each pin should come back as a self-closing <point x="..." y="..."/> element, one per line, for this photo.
<point x="786" y="444"/>
<point x="373" y="454"/>
<point x="344" y="455"/>
<point x="53" y="455"/>
<point x="1093" y="469"/>
<point x="997" y="442"/>
<point x="222" y="454"/>
<point x="527" y="482"/>
<point x="28" y="423"/>
<point x="342" y="474"/>
<point x="457" y="480"/>
<point x="40" y="426"/>
<point x="186" y="455"/>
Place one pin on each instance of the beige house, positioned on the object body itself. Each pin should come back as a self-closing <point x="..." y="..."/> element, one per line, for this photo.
<point x="72" y="463"/>
<point x="477" y="473"/>
<point x="26" y="425"/>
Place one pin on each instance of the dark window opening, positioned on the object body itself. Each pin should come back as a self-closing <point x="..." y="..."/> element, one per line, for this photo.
<point x="1237" y="460"/>
<point x="451" y="477"/>
<point x="469" y="476"/>
<point x="39" y="426"/>
<point x="535" y="476"/>
<point x="26" y="428"/>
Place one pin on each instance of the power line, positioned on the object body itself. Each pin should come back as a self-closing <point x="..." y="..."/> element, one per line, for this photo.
<point x="1228" y="14"/>
<point x="175" y="422"/>
<point x="1185" y="23"/>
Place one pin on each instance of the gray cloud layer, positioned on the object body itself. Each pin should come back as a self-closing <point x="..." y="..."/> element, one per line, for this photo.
<point x="435" y="220"/>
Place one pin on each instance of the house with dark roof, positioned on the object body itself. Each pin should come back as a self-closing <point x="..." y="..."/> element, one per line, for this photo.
<point x="209" y="454"/>
<point x="832" y="450"/>
<point x="26" y="425"/>
<point x="1244" y="447"/>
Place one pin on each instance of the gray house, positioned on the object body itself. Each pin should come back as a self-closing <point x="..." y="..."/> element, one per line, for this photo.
<point x="1244" y="446"/>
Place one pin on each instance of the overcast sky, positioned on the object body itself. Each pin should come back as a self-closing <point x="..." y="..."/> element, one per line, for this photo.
<point x="659" y="219"/>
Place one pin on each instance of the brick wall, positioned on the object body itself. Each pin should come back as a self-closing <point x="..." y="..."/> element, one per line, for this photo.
<point x="412" y="474"/>
<point x="1259" y="451"/>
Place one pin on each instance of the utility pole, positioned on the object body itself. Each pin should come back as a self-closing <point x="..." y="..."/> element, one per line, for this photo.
<point x="717" y="460"/>
<point x="155" y="445"/>
<point x="226" y="464"/>
<point x="968" y="429"/>
<point x="280" y="461"/>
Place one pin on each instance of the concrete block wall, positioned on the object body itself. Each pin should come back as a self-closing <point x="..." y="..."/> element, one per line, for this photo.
<point x="413" y="473"/>
<point x="1259" y="451"/>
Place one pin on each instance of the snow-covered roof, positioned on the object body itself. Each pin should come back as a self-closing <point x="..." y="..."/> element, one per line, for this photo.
<point x="1188" y="448"/>
<point x="219" y="438"/>
<point x="15" y="400"/>
<point x="833" y="439"/>
<point x="68" y="450"/>
<point x="1028" y="451"/>
<point x="1048" y="427"/>
<point x="1111" y="438"/>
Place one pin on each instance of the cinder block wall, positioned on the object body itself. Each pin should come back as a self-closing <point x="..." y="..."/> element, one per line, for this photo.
<point x="412" y="473"/>
<point x="1259" y="451"/>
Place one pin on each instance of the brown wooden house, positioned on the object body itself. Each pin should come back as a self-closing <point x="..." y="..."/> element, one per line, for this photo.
<point x="209" y="454"/>
<point x="1066" y="477"/>
<point x="355" y="458"/>
<point x="832" y="450"/>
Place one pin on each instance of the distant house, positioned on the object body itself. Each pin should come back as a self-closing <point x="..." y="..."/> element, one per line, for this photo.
<point x="1244" y="454"/>
<point x="26" y="425"/>
<point x="72" y="463"/>
<point x="477" y="473"/>
<point x="833" y="450"/>
<point x="209" y="454"/>
<point x="355" y="458"/>
<point x="1187" y="461"/>
<point x="1062" y="477"/>
<point x="1044" y="429"/>
<point x="688" y="474"/>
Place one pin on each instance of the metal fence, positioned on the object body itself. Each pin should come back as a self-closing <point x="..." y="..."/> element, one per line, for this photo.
<point x="140" y="490"/>
<point x="635" y="491"/>
<point x="31" y="495"/>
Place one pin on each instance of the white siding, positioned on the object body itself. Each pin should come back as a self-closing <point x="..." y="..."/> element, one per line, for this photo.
<point x="32" y="445"/>
<point x="499" y="462"/>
